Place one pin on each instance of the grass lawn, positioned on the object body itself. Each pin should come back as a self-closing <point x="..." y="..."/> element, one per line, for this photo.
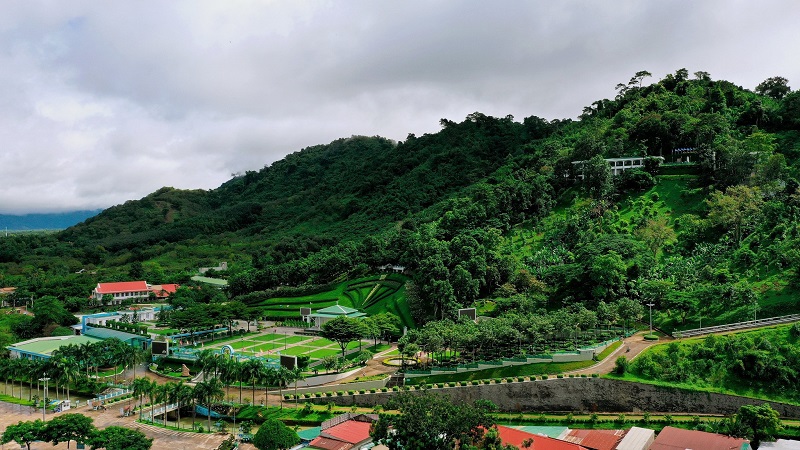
<point x="242" y="344"/>
<point x="267" y="337"/>
<point x="321" y="353"/>
<point x="321" y="342"/>
<point x="164" y="332"/>
<point x="297" y="350"/>
<point x="266" y="347"/>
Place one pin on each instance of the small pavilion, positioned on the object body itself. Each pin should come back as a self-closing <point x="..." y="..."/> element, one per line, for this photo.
<point x="331" y="312"/>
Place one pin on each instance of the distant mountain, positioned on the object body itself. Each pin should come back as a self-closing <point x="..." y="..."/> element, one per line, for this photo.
<point x="57" y="221"/>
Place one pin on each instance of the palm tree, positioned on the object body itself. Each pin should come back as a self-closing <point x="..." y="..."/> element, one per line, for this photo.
<point x="282" y="377"/>
<point x="179" y="394"/>
<point x="209" y="391"/>
<point x="135" y="356"/>
<point x="252" y="372"/>
<point x="68" y="371"/>
<point x="141" y="387"/>
<point x="208" y="360"/>
<point x="296" y="375"/>
<point x="152" y="392"/>
<point x="267" y="377"/>
<point x="164" y="392"/>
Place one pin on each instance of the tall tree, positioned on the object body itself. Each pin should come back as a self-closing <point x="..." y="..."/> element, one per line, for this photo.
<point x="430" y="422"/>
<point x="69" y="427"/>
<point x="342" y="330"/>
<point x="274" y="435"/>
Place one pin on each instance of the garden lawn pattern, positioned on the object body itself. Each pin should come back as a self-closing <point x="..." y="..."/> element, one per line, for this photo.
<point x="269" y="345"/>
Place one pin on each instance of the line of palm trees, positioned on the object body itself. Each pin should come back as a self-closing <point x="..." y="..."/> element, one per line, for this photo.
<point x="220" y="373"/>
<point x="70" y="365"/>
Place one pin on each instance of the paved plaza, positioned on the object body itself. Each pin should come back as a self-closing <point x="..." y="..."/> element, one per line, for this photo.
<point x="163" y="439"/>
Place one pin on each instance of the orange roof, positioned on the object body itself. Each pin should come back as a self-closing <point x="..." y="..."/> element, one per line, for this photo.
<point x="672" y="438"/>
<point x="515" y="437"/>
<point x="351" y="431"/>
<point x="122" y="286"/>
<point x="329" y="444"/>
<point x="596" y="439"/>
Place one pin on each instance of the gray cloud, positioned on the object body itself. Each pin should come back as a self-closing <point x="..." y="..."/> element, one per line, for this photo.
<point x="108" y="102"/>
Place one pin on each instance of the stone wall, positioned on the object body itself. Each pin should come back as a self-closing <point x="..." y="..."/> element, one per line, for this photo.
<point x="582" y="395"/>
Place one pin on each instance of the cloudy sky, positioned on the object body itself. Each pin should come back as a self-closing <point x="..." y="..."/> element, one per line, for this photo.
<point x="103" y="102"/>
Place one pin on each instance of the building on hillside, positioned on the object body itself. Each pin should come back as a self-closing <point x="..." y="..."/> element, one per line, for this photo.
<point x="671" y="438"/>
<point x="163" y="291"/>
<point x="5" y="293"/>
<point x="223" y="266"/>
<point x="396" y="268"/>
<point x="637" y="439"/>
<point x="345" y="432"/>
<point x="331" y="312"/>
<point x="617" y="165"/>
<point x="132" y="291"/>
<point x="43" y="347"/>
<point x="595" y="439"/>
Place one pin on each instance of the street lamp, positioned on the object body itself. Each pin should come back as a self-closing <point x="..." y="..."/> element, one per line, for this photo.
<point x="651" y="316"/>
<point x="44" y="401"/>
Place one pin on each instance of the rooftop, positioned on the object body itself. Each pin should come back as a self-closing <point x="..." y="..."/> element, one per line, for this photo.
<point x="121" y="286"/>
<point x="351" y="431"/>
<point x="515" y="437"/>
<point x="47" y="345"/>
<point x="672" y="438"/>
<point x="596" y="439"/>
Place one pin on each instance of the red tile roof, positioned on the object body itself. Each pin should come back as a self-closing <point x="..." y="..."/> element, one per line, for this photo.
<point x="329" y="444"/>
<point x="351" y="431"/>
<point x="512" y="436"/>
<point x="678" y="439"/>
<point x="122" y="286"/>
<point x="596" y="439"/>
<point x="164" y="290"/>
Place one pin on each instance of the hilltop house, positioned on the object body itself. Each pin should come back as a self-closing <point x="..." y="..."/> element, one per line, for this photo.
<point x="618" y="165"/>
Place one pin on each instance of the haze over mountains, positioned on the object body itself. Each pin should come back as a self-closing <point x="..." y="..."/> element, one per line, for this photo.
<point x="53" y="221"/>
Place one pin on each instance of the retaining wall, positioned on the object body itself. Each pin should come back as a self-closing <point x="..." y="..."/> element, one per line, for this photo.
<point x="583" y="395"/>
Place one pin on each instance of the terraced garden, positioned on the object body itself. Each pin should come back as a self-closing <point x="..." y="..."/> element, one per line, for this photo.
<point x="373" y="295"/>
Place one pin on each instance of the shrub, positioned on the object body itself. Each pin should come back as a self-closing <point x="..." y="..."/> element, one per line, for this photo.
<point x="384" y="390"/>
<point x="583" y="375"/>
<point x="621" y="365"/>
<point x="451" y="384"/>
<point x="475" y="382"/>
<point x="395" y="388"/>
<point x="362" y="391"/>
<point x="572" y="375"/>
<point x="595" y="375"/>
<point x="351" y="392"/>
<point x="329" y="394"/>
<point x="544" y="377"/>
<point x="561" y="375"/>
<point x="651" y="337"/>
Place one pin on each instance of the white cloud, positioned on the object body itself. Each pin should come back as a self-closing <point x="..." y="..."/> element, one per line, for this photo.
<point x="108" y="102"/>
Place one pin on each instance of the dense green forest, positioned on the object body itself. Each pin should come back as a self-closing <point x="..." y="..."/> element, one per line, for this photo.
<point x="490" y="211"/>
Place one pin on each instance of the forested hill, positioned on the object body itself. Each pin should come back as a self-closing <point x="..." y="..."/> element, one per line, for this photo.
<point x="451" y="205"/>
<point x="339" y="191"/>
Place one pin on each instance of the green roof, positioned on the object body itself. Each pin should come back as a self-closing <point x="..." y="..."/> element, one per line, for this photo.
<point x="46" y="346"/>
<point x="339" y="310"/>
<point x="107" y="333"/>
<point x="309" y="434"/>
